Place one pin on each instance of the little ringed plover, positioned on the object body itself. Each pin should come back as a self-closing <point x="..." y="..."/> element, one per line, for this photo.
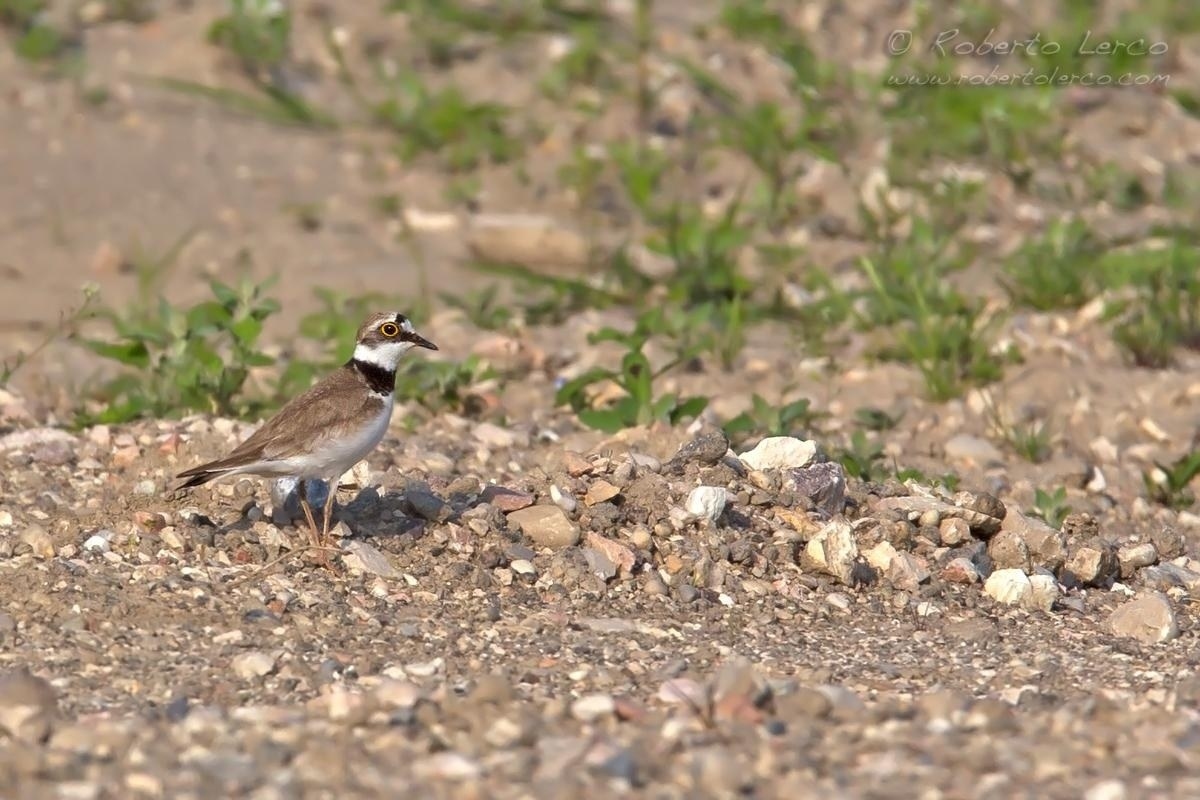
<point x="331" y="427"/>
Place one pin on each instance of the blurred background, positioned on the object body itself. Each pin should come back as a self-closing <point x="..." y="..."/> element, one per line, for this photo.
<point x="835" y="206"/>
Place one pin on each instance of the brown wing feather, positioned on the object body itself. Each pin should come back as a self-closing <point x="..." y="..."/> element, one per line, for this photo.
<point x="306" y="419"/>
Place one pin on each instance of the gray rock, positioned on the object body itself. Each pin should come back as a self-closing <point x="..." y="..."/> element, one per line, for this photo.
<point x="599" y="563"/>
<point x="965" y="447"/>
<point x="960" y="570"/>
<point x="1009" y="551"/>
<point x="425" y="504"/>
<point x="1167" y="576"/>
<point x="38" y="540"/>
<point x="1133" y="557"/>
<point x="954" y="531"/>
<point x="1148" y="618"/>
<point x="49" y="446"/>
<point x="508" y="500"/>
<point x="28" y="706"/>
<point x="646" y="461"/>
<point x="358" y="555"/>
<point x="252" y="665"/>
<point x="1046" y="546"/>
<point x="931" y="511"/>
<point x="1092" y="564"/>
<point x="494" y="436"/>
<point x="546" y="526"/>
<point x="1169" y="542"/>
<point x="823" y="484"/>
<point x="706" y="449"/>
<point x="901" y="569"/>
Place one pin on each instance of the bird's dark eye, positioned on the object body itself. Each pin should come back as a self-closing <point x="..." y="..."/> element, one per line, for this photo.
<point x="389" y="329"/>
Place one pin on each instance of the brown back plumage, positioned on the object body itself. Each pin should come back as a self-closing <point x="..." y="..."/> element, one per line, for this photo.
<point x="337" y="408"/>
<point x="327" y="408"/>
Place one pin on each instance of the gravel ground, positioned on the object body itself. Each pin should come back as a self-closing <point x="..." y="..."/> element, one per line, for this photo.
<point x="515" y="613"/>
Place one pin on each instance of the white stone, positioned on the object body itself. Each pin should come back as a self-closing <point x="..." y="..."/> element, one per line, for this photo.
<point x="1043" y="591"/>
<point x="592" y="707"/>
<point x="358" y="555"/>
<point x="1106" y="790"/>
<point x="707" y="502"/>
<point x="780" y="452"/>
<point x="834" y="550"/>
<point x="564" y="500"/>
<point x="880" y="556"/>
<point x="1149" y="618"/>
<point x="1008" y="586"/>
<point x="96" y="543"/>
<point x="254" y="664"/>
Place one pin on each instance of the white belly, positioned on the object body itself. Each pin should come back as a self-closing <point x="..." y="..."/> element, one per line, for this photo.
<point x="336" y="454"/>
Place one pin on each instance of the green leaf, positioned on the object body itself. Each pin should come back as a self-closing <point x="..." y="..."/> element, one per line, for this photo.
<point x="637" y="376"/>
<point x="246" y="330"/>
<point x="132" y="353"/>
<point x="742" y="423"/>
<point x="607" y="420"/>
<point x="571" y="392"/>
<point x="691" y="407"/>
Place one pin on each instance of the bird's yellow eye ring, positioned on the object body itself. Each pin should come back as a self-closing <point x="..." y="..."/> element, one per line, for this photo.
<point x="389" y="329"/>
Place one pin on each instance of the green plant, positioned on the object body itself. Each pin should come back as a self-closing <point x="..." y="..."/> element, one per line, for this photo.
<point x="35" y="39"/>
<point x="134" y="11"/>
<point x="193" y="359"/>
<point x="755" y="21"/>
<point x="1164" y="313"/>
<point x="482" y="307"/>
<point x="256" y="32"/>
<point x="876" y="419"/>
<point x="707" y="275"/>
<point x="1170" y="484"/>
<point x="1027" y="434"/>
<point x="946" y="335"/>
<point x="1051" y="506"/>
<point x="1004" y="127"/>
<point x="771" y="420"/>
<point x="586" y="63"/>
<point x="639" y="405"/>
<point x="1057" y="270"/>
<point x="463" y="133"/>
<point x="1030" y="439"/>
<point x="444" y="385"/>
<point x="863" y="458"/>
<point x="441" y="27"/>
<point x="641" y="170"/>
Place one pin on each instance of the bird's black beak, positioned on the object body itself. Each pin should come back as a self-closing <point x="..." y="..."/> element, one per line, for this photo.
<point x="421" y="341"/>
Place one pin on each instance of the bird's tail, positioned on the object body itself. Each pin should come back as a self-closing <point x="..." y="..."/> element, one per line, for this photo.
<point x="199" y="475"/>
